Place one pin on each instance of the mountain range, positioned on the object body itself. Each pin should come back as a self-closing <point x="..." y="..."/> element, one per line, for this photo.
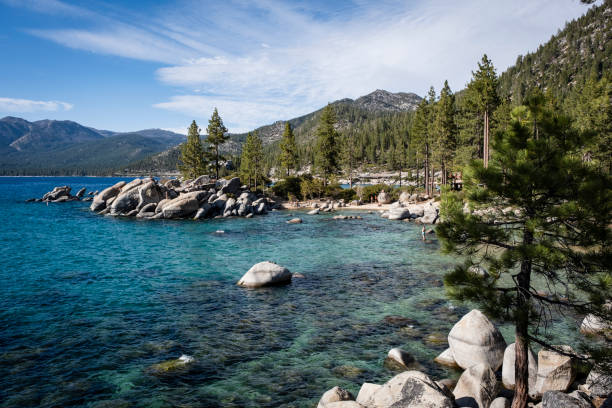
<point x="65" y="147"/>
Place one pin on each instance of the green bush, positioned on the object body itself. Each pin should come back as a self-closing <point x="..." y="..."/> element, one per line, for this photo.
<point x="289" y="186"/>
<point x="371" y="191"/>
<point x="336" y="192"/>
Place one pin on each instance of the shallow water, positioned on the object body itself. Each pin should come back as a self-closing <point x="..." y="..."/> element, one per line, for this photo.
<point x="89" y="303"/>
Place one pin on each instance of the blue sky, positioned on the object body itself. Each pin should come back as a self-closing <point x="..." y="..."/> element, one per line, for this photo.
<point x="129" y="65"/>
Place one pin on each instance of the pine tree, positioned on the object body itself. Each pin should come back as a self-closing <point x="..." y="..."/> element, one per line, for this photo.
<point x="326" y="154"/>
<point x="348" y="156"/>
<point x="288" y="157"/>
<point x="422" y="136"/>
<point x="216" y="137"/>
<point x="252" y="160"/>
<point x="445" y="130"/>
<point x="538" y="213"/>
<point x="482" y="98"/>
<point x="193" y="162"/>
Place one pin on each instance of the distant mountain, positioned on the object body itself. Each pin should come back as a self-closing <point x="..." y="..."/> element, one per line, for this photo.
<point x="66" y="147"/>
<point x="359" y="113"/>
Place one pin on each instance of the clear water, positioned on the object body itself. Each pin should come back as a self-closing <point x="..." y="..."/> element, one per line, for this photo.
<point x="89" y="303"/>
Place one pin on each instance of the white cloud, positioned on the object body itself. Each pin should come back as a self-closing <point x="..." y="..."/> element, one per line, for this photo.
<point x="13" y="105"/>
<point x="265" y="60"/>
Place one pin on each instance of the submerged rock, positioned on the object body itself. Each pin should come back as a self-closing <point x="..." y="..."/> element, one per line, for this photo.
<point x="265" y="274"/>
<point x="295" y="221"/>
<point x="171" y="366"/>
<point x="401" y="358"/>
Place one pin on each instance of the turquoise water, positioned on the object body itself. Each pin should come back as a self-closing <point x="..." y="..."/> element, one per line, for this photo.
<point x="89" y="303"/>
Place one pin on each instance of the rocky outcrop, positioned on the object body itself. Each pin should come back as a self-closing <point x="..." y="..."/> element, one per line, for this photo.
<point x="557" y="399"/>
<point x="265" y="274"/>
<point x="398" y="213"/>
<point x="474" y="340"/>
<point x="410" y="389"/>
<point x="508" y="368"/>
<point x="555" y="371"/>
<point x="196" y="199"/>
<point x="477" y="387"/>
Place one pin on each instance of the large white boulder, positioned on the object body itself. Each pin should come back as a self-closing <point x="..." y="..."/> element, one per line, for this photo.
<point x="599" y="384"/>
<point x="508" y="368"/>
<point x="411" y="389"/>
<point x="404" y="197"/>
<point x="477" y="387"/>
<point x="265" y="274"/>
<point x="398" y="213"/>
<point x="596" y="325"/>
<point x="474" y="340"/>
<point x="180" y="207"/>
<point x="383" y="197"/>
<point x="336" y="394"/>
<point x="555" y="371"/>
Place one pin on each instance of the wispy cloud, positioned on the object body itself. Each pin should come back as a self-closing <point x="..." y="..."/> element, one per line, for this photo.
<point x="12" y="105"/>
<point x="265" y="60"/>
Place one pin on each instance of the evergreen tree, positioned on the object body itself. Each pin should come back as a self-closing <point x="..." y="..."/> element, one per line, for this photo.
<point x="216" y="137"/>
<point x="538" y="214"/>
<point x="252" y="161"/>
<point x="288" y="156"/>
<point x="348" y="156"/>
<point x="445" y="130"/>
<point x="422" y="137"/>
<point x="326" y="154"/>
<point x="193" y="162"/>
<point x="482" y="98"/>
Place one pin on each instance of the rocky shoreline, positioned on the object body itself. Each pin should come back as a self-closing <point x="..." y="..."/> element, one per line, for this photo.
<point x="146" y="198"/>
<point x="477" y="347"/>
<point x="63" y="194"/>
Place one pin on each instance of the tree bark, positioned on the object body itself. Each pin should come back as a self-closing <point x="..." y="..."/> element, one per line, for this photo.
<point x="485" y="153"/>
<point x="521" y="366"/>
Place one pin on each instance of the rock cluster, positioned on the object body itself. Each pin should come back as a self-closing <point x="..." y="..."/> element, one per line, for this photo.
<point x="62" y="194"/>
<point x="423" y="213"/>
<point x="476" y="345"/>
<point x="197" y="199"/>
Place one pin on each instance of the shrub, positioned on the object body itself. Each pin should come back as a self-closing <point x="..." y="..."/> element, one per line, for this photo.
<point x="288" y="186"/>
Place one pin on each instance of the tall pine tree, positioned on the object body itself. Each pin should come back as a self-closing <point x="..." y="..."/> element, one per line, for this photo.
<point x="482" y="98"/>
<point x="193" y="163"/>
<point x="288" y="156"/>
<point x="538" y="215"/>
<point x="216" y="137"/>
<point x="326" y="154"/>
<point x="252" y="161"/>
<point x="445" y="130"/>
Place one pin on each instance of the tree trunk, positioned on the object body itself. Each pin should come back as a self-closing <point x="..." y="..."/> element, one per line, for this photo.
<point x="418" y="171"/>
<point x="485" y="153"/>
<point x="521" y="367"/>
<point x="426" y="166"/>
<point x="217" y="161"/>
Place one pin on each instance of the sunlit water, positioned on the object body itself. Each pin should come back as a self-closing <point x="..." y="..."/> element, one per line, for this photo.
<point x="89" y="303"/>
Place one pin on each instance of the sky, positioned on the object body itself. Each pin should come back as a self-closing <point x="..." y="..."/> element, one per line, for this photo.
<point x="138" y="64"/>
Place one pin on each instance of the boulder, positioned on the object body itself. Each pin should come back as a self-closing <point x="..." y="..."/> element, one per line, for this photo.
<point x="295" y="221"/>
<point x="557" y="399"/>
<point x="126" y="201"/>
<point x="203" y="211"/>
<point x="595" y="325"/>
<point x="180" y="207"/>
<point x="172" y="183"/>
<point x="231" y="186"/>
<point x="244" y="209"/>
<point x="446" y="358"/>
<point x="599" y="384"/>
<point x="366" y="392"/>
<point x="555" y="371"/>
<point x="171" y="366"/>
<point x="500" y="402"/>
<point x="219" y="203"/>
<point x="81" y="192"/>
<point x="478" y="271"/>
<point x="404" y="197"/>
<point x="343" y="404"/>
<point x="314" y="212"/>
<point x="383" y="197"/>
<point x="398" y="213"/>
<point x="57" y="193"/>
<point x="148" y="208"/>
<point x="149" y="193"/>
<point x="400" y="357"/>
<point x="336" y="394"/>
<point x="99" y="201"/>
<point x="229" y="206"/>
<point x="477" y="387"/>
<point x="131" y="185"/>
<point x="416" y="211"/>
<point x="162" y="204"/>
<point x="265" y="274"/>
<point x="508" y="368"/>
<point x="410" y="389"/>
<point x="474" y="340"/>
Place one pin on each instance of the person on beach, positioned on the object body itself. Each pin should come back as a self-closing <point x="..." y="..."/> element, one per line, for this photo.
<point x="423" y="233"/>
